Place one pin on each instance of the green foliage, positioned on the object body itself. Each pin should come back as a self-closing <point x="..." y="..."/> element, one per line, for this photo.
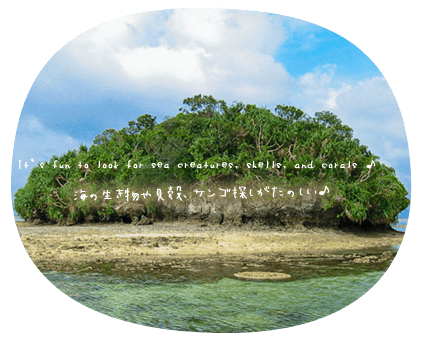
<point x="106" y="212"/>
<point x="209" y="132"/>
<point x="150" y="207"/>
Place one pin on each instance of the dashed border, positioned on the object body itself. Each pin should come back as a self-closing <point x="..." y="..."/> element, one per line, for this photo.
<point x="347" y="314"/>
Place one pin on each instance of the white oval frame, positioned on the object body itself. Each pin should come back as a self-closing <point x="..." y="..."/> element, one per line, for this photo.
<point x="345" y="315"/>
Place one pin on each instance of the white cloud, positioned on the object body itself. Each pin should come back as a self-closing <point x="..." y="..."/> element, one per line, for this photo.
<point x="225" y="31"/>
<point x="372" y="111"/>
<point x="163" y="67"/>
<point x="218" y="52"/>
<point x="318" y="91"/>
<point x="334" y="93"/>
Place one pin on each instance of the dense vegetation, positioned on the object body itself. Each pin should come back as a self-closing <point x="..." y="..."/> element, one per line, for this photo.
<point x="208" y="130"/>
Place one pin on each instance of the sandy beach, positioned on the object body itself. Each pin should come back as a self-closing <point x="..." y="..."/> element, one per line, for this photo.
<point x="123" y="247"/>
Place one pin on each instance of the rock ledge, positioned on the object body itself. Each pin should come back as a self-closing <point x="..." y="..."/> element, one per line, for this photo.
<point x="262" y="276"/>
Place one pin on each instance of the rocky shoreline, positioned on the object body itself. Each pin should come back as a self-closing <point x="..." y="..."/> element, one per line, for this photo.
<point x="307" y="210"/>
<point x="135" y="249"/>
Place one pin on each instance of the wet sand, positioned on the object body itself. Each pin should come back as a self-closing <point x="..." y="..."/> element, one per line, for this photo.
<point x="105" y="247"/>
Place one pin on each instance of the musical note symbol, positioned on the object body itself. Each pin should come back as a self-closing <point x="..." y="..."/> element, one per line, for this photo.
<point x="371" y="165"/>
<point x="323" y="192"/>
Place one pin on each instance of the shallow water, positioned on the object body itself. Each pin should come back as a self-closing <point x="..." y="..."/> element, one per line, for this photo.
<point x="401" y="225"/>
<point x="205" y="298"/>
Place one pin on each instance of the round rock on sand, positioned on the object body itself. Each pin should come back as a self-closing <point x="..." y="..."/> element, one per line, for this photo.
<point x="262" y="276"/>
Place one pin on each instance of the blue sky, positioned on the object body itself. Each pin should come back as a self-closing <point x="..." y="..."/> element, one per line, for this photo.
<point x="149" y="63"/>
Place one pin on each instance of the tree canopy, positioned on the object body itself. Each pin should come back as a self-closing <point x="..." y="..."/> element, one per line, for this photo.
<point x="208" y="130"/>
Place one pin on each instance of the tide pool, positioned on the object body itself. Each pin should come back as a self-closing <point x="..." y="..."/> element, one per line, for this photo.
<point x="225" y="305"/>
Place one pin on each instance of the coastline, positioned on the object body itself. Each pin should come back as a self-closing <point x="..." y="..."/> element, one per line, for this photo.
<point x="124" y="247"/>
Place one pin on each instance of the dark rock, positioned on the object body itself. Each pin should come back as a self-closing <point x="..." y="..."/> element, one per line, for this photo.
<point x="130" y="211"/>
